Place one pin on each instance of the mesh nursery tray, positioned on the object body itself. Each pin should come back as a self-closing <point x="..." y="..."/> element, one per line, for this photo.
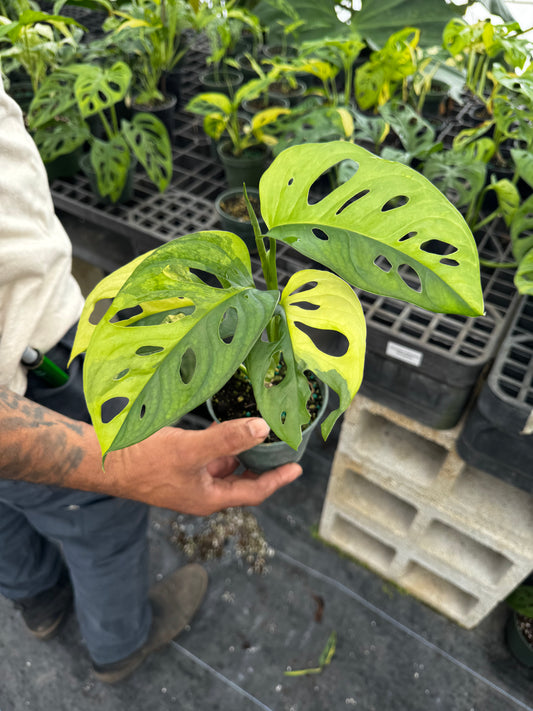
<point x="497" y="435"/>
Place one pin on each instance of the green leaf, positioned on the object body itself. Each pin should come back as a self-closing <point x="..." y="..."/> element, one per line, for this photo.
<point x="61" y="137"/>
<point x="210" y="103"/>
<point x="523" y="161"/>
<point x="164" y="315"/>
<point x="101" y="296"/>
<point x="522" y="229"/>
<point x="508" y="199"/>
<point x="377" y="21"/>
<point x="415" y="133"/>
<point x="377" y="231"/>
<point x="111" y="161"/>
<point x="148" y="139"/>
<point x="282" y="405"/>
<point x="456" y="175"/>
<point x="521" y="600"/>
<point x="523" y="278"/>
<point x="98" y="88"/>
<point x="53" y="98"/>
<point x="318" y="306"/>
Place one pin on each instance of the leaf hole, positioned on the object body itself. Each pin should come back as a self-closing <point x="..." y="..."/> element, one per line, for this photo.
<point x="324" y="181"/>
<point x="305" y="287"/>
<point x="409" y="235"/>
<point x="395" y="202"/>
<point x="410" y="277"/>
<point x="320" y="234"/>
<point x="142" y="413"/>
<point x="383" y="263"/>
<point x="99" y="311"/>
<point x="187" y="366"/>
<point x="148" y="350"/>
<point x="228" y="325"/>
<point x="122" y="374"/>
<point x="126" y="314"/>
<point x="353" y="199"/>
<point x="332" y="343"/>
<point x="283" y="417"/>
<point x="207" y="277"/>
<point x="111" y="408"/>
<point x="306" y="305"/>
<point x="437" y="246"/>
<point x="279" y="368"/>
<point x="449" y="262"/>
<point x="291" y="181"/>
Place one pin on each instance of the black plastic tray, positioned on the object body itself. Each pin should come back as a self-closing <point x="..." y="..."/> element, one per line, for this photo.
<point x="497" y="435"/>
<point x="427" y="365"/>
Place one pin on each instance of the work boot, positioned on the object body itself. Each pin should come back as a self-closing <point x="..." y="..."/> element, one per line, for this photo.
<point x="174" y="601"/>
<point x="43" y="613"/>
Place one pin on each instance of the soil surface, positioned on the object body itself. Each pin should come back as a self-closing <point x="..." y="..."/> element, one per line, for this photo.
<point x="526" y="627"/>
<point x="236" y="207"/>
<point x="236" y="399"/>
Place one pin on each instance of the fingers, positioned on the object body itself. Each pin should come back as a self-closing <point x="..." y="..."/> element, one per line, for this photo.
<point x="251" y="489"/>
<point x="230" y="438"/>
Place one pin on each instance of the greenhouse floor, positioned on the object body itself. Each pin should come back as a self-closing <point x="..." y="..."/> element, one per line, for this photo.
<point x="392" y="652"/>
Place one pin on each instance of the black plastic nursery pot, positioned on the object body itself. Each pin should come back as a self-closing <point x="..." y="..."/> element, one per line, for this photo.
<point x="518" y="645"/>
<point x="427" y="365"/>
<point x="238" y="221"/>
<point x="269" y="455"/>
<point x="245" y="168"/>
<point x="497" y="435"/>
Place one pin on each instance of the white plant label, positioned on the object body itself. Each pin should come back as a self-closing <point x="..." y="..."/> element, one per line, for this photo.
<point x="406" y="355"/>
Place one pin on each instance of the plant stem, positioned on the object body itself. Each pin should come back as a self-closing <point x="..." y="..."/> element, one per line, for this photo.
<point x="498" y="265"/>
<point x="268" y="261"/>
<point x="487" y="219"/>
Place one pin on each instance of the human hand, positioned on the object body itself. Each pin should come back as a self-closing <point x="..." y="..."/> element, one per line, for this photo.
<point x="193" y="471"/>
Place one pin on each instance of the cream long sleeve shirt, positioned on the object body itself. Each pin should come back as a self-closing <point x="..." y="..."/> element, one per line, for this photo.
<point x="39" y="298"/>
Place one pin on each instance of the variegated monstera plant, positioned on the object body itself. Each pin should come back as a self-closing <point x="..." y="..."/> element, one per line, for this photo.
<point x="170" y="337"/>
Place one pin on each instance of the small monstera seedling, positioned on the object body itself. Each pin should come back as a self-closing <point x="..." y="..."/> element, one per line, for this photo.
<point x="180" y="320"/>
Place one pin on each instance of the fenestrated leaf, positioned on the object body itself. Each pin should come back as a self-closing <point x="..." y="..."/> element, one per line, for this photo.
<point x="377" y="230"/>
<point x="460" y="178"/>
<point x="416" y="134"/>
<point x="103" y="293"/>
<point x="97" y="88"/>
<point x="53" y="98"/>
<point x="149" y="140"/>
<point x="321" y="304"/>
<point x="160" y="321"/>
<point x="282" y="405"/>
<point x="111" y="162"/>
<point x="61" y="137"/>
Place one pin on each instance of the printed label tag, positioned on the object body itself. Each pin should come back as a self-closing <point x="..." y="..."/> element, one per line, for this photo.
<point x="406" y="355"/>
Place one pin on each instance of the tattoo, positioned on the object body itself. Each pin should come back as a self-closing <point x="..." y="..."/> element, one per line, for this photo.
<point x="37" y="444"/>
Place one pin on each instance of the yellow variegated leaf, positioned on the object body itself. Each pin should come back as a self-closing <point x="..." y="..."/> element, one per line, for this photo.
<point x="102" y="295"/>
<point x="319" y="305"/>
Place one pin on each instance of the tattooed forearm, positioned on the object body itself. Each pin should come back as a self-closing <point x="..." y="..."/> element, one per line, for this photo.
<point x="37" y="444"/>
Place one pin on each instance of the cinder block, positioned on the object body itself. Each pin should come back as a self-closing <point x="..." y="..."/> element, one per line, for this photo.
<point x="403" y="502"/>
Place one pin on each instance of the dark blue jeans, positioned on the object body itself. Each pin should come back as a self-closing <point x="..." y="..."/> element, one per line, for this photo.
<point x="102" y="540"/>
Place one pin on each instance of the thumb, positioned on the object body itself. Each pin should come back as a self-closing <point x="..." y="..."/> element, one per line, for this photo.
<point x="232" y="437"/>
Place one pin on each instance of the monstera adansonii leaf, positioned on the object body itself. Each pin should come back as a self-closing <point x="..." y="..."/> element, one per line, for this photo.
<point x="179" y="327"/>
<point x="313" y="304"/>
<point x="387" y="230"/>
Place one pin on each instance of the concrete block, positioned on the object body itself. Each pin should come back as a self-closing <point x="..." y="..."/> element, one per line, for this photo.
<point x="403" y="502"/>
